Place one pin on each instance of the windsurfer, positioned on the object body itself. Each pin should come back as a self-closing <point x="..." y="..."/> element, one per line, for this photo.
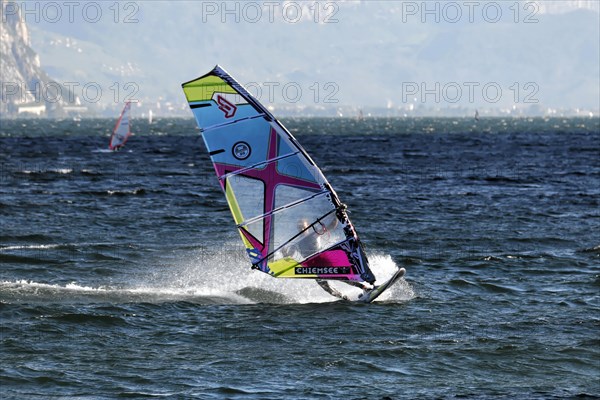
<point x="309" y="245"/>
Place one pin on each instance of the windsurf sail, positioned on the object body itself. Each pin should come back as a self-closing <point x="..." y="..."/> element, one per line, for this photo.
<point x="290" y="219"/>
<point x="122" y="129"/>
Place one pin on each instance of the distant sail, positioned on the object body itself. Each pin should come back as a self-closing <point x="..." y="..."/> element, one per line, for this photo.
<point x="122" y="129"/>
<point x="476" y="115"/>
<point x="149" y="116"/>
<point x="289" y="217"/>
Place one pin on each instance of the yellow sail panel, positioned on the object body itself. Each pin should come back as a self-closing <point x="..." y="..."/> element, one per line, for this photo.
<point x="233" y="204"/>
<point x="236" y="212"/>
<point x="203" y="89"/>
<point x="284" y="268"/>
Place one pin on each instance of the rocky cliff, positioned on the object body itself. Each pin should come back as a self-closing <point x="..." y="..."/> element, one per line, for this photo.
<point x="25" y="87"/>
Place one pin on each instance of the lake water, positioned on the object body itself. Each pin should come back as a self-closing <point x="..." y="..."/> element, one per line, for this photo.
<point x="122" y="275"/>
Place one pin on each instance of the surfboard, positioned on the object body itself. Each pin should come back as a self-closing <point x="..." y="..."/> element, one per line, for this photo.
<point x="371" y="295"/>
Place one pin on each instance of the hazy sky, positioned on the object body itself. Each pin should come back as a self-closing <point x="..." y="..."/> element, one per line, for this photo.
<point x="497" y="54"/>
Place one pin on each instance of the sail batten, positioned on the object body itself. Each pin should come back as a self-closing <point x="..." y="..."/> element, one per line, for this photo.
<point x="287" y="214"/>
<point x="209" y="128"/>
<point x="275" y="211"/>
<point x="255" y="166"/>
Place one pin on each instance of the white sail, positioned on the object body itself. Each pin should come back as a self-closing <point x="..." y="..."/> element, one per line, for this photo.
<point x="122" y="129"/>
<point x="289" y="217"/>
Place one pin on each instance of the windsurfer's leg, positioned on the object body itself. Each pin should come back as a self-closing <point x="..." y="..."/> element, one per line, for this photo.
<point x="325" y="286"/>
<point x="360" y="285"/>
<point x="366" y="288"/>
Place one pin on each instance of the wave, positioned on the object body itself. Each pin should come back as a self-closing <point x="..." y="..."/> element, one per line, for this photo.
<point x="30" y="247"/>
<point x="29" y="291"/>
<point x="122" y="192"/>
<point x="592" y="250"/>
<point x="228" y="269"/>
<point x="206" y="284"/>
<point x="136" y="191"/>
<point x="60" y="171"/>
<point x="56" y="246"/>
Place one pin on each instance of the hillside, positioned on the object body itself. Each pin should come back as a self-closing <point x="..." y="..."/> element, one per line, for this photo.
<point x="365" y="55"/>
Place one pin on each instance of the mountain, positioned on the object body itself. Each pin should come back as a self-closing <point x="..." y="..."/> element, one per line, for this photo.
<point x="26" y="87"/>
<point x="327" y="55"/>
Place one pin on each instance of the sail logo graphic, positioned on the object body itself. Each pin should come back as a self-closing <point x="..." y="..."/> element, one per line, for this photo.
<point x="241" y="150"/>
<point x="226" y="106"/>
<point x="322" y="270"/>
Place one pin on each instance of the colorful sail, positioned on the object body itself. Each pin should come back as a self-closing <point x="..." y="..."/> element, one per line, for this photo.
<point x="122" y="129"/>
<point x="290" y="219"/>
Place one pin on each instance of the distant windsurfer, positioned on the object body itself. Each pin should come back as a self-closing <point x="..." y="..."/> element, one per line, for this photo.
<point x="122" y="130"/>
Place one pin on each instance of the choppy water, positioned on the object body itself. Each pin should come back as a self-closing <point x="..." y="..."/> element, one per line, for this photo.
<point x="121" y="274"/>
